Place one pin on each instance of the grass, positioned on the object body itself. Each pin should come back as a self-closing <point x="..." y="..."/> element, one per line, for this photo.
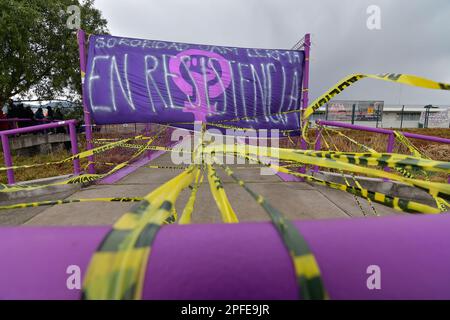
<point x="114" y="156"/>
<point x="435" y="151"/>
<point x="41" y="171"/>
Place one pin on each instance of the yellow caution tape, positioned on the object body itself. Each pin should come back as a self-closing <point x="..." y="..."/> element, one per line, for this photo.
<point x="362" y="146"/>
<point x="218" y="192"/>
<point x="338" y="88"/>
<point x="403" y="140"/>
<point x="348" y="81"/>
<point x="307" y="271"/>
<point x="441" y="203"/>
<point x="80" y="155"/>
<point x="334" y="91"/>
<point x="348" y="161"/>
<point x="353" y="177"/>
<point x="396" y="203"/>
<point x="118" y="267"/>
<point x="83" y="178"/>
<point x="189" y="207"/>
<point x="390" y="160"/>
<point x="145" y="166"/>
<point x="66" y="201"/>
<point x="153" y="148"/>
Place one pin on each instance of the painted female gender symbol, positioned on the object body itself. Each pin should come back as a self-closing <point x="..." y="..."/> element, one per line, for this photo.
<point x="202" y="91"/>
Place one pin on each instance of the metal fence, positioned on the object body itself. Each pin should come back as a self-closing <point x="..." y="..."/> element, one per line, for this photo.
<point x="375" y="114"/>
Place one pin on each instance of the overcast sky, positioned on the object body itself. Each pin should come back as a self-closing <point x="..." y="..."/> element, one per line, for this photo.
<point x="414" y="36"/>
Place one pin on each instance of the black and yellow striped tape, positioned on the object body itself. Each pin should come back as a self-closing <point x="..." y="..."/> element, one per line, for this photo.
<point x="66" y="201"/>
<point x="307" y="271"/>
<point x="117" y="268"/>
<point x="396" y="203"/>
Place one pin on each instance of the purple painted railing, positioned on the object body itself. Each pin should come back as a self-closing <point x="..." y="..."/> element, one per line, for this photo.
<point x="382" y="131"/>
<point x="7" y="152"/>
<point x="16" y="120"/>
<point x="390" y="133"/>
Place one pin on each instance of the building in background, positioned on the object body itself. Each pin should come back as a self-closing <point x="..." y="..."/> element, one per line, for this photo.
<point x="377" y="114"/>
<point x="416" y="116"/>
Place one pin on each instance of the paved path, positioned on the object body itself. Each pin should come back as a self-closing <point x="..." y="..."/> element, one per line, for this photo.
<point x="297" y="200"/>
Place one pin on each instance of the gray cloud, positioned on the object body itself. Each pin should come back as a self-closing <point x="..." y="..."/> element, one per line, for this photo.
<point x="414" y="37"/>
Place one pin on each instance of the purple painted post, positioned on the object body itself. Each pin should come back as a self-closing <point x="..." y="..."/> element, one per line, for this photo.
<point x="318" y="145"/>
<point x="390" y="144"/>
<point x="389" y="149"/>
<point x="147" y="128"/>
<point x="74" y="145"/>
<point x="87" y="116"/>
<point x="147" y="133"/>
<point x="8" y="159"/>
<point x="305" y="87"/>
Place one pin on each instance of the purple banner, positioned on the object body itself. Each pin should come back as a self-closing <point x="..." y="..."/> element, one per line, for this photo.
<point x="134" y="80"/>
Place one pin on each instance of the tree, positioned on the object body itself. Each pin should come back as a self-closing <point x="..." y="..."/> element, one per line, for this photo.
<point x="39" y="52"/>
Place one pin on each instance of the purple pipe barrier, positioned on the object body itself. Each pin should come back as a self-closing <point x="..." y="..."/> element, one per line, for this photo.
<point x="26" y="120"/>
<point x="244" y="261"/>
<point x="7" y="151"/>
<point x="382" y="131"/>
<point x="38" y="127"/>
<point x="391" y="139"/>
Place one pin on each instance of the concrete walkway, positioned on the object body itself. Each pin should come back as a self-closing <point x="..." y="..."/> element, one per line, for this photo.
<point x="297" y="200"/>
